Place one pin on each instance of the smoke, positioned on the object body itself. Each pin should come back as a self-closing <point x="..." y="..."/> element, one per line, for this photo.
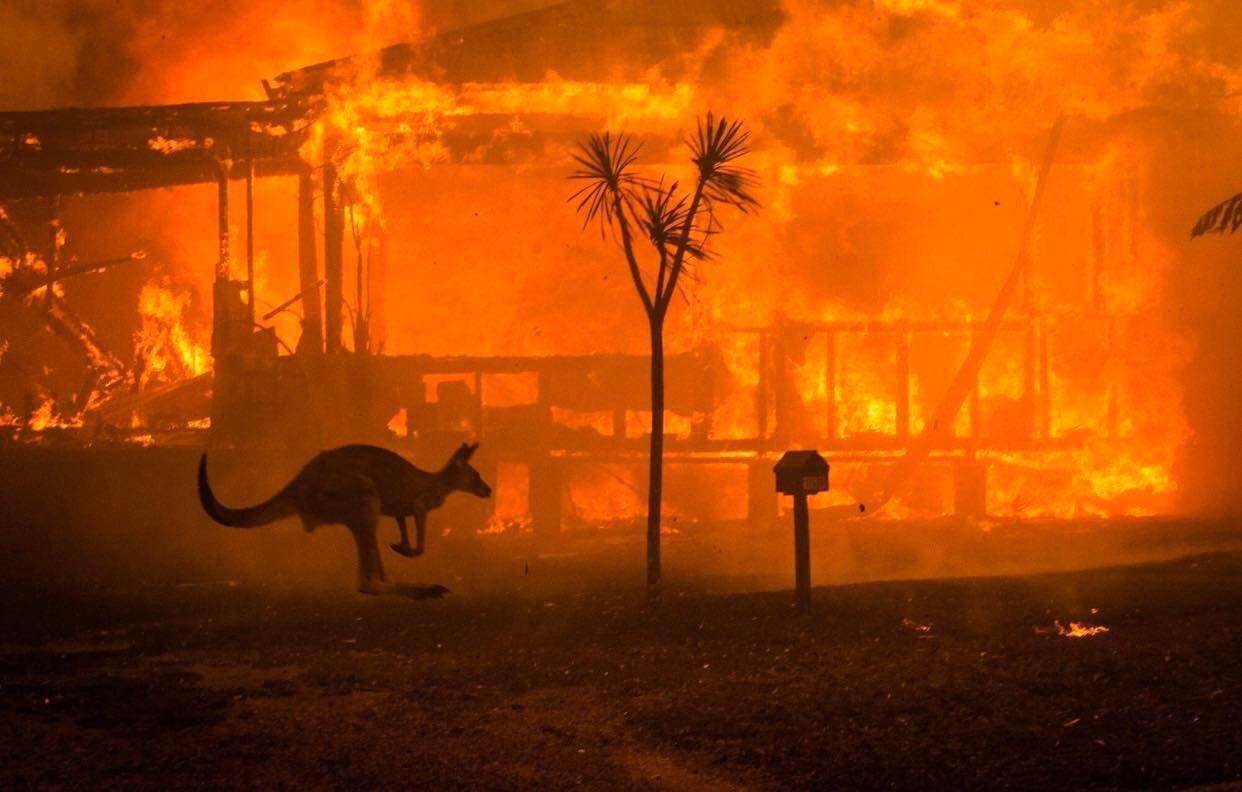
<point x="93" y="52"/>
<point x="41" y="55"/>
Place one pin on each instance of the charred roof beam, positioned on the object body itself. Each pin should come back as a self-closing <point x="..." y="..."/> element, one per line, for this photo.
<point x="119" y="149"/>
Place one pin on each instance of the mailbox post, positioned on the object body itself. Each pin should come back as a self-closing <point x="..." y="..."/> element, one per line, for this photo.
<point x="802" y="473"/>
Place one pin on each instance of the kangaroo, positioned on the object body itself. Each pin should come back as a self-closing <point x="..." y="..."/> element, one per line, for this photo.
<point x="353" y="485"/>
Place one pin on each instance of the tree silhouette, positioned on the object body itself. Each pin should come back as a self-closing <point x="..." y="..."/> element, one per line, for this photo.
<point x="1225" y="216"/>
<point x="677" y="225"/>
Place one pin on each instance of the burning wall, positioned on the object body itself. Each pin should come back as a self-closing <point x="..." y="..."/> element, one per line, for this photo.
<point x="896" y="144"/>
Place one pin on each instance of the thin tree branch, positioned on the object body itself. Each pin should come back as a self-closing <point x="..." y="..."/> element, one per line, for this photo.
<point x="683" y="242"/>
<point x="627" y="243"/>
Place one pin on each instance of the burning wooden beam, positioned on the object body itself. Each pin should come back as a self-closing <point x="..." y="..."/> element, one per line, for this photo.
<point x="308" y="268"/>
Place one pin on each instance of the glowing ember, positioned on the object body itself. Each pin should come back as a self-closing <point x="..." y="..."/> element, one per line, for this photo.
<point x="171" y="145"/>
<point x="1080" y="630"/>
<point x="918" y="627"/>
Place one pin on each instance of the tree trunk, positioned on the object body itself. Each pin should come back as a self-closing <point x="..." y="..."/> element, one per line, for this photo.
<point x="655" y="481"/>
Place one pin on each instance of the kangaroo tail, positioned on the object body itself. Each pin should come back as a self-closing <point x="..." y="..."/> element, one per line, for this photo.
<point x="274" y="508"/>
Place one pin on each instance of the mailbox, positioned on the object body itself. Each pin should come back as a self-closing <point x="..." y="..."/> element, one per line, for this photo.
<point x="801" y="473"/>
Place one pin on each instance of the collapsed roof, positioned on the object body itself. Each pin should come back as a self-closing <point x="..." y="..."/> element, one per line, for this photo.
<point x="118" y="149"/>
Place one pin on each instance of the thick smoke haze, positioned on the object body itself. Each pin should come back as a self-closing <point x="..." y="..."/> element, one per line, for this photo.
<point x="101" y="52"/>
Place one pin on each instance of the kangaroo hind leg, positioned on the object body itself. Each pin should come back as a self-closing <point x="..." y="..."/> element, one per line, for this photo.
<point x="371" y="578"/>
<point x="363" y="524"/>
<point x="403" y="547"/>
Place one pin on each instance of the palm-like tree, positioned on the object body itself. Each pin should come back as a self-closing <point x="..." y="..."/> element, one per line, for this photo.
<point x="1225" y="216"/>
<point x="677" y="225"/>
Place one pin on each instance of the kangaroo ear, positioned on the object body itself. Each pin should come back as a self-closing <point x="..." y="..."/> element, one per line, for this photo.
<point x="462" y="455"/>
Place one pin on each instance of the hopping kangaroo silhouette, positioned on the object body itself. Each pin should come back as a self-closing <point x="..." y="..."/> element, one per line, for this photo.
<point x="353" y="485"/>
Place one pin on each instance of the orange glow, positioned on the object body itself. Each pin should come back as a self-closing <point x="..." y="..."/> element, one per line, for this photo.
<point x="510" y="390"/>
<point x="512" y="506"/>
<point x="894" y="174"/>
<point x="600" y="493"/>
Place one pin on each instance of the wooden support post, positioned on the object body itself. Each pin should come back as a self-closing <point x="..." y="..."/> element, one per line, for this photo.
<point x="221" y="302"/>
<point x="903" y="381"/>
<point x="546" y="487"/>
<point x="333" y="269"/>
<point x="222" y="223"/>
<point x="802" y="551"/>
<point x="377" y="282"/>
<point x="308" y="269"/>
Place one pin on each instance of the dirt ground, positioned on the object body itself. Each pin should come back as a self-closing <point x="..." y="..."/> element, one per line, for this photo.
<point x="930" y="684"/>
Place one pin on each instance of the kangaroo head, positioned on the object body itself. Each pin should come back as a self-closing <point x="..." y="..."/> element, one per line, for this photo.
<point x="459" y="475"/>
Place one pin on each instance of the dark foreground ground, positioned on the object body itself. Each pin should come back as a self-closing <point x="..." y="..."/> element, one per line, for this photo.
<point x="938" y="684"/>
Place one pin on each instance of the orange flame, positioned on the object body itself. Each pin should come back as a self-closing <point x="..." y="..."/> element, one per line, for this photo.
<point x="167" y="346"/>
<point x="1080" y="630"/>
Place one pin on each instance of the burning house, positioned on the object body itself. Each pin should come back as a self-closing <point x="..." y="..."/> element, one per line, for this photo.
<point x="950" y="460"/>
<point x="378" y="249"/>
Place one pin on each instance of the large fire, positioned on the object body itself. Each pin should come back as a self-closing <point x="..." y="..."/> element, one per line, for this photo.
<point x="896" y="145"/>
